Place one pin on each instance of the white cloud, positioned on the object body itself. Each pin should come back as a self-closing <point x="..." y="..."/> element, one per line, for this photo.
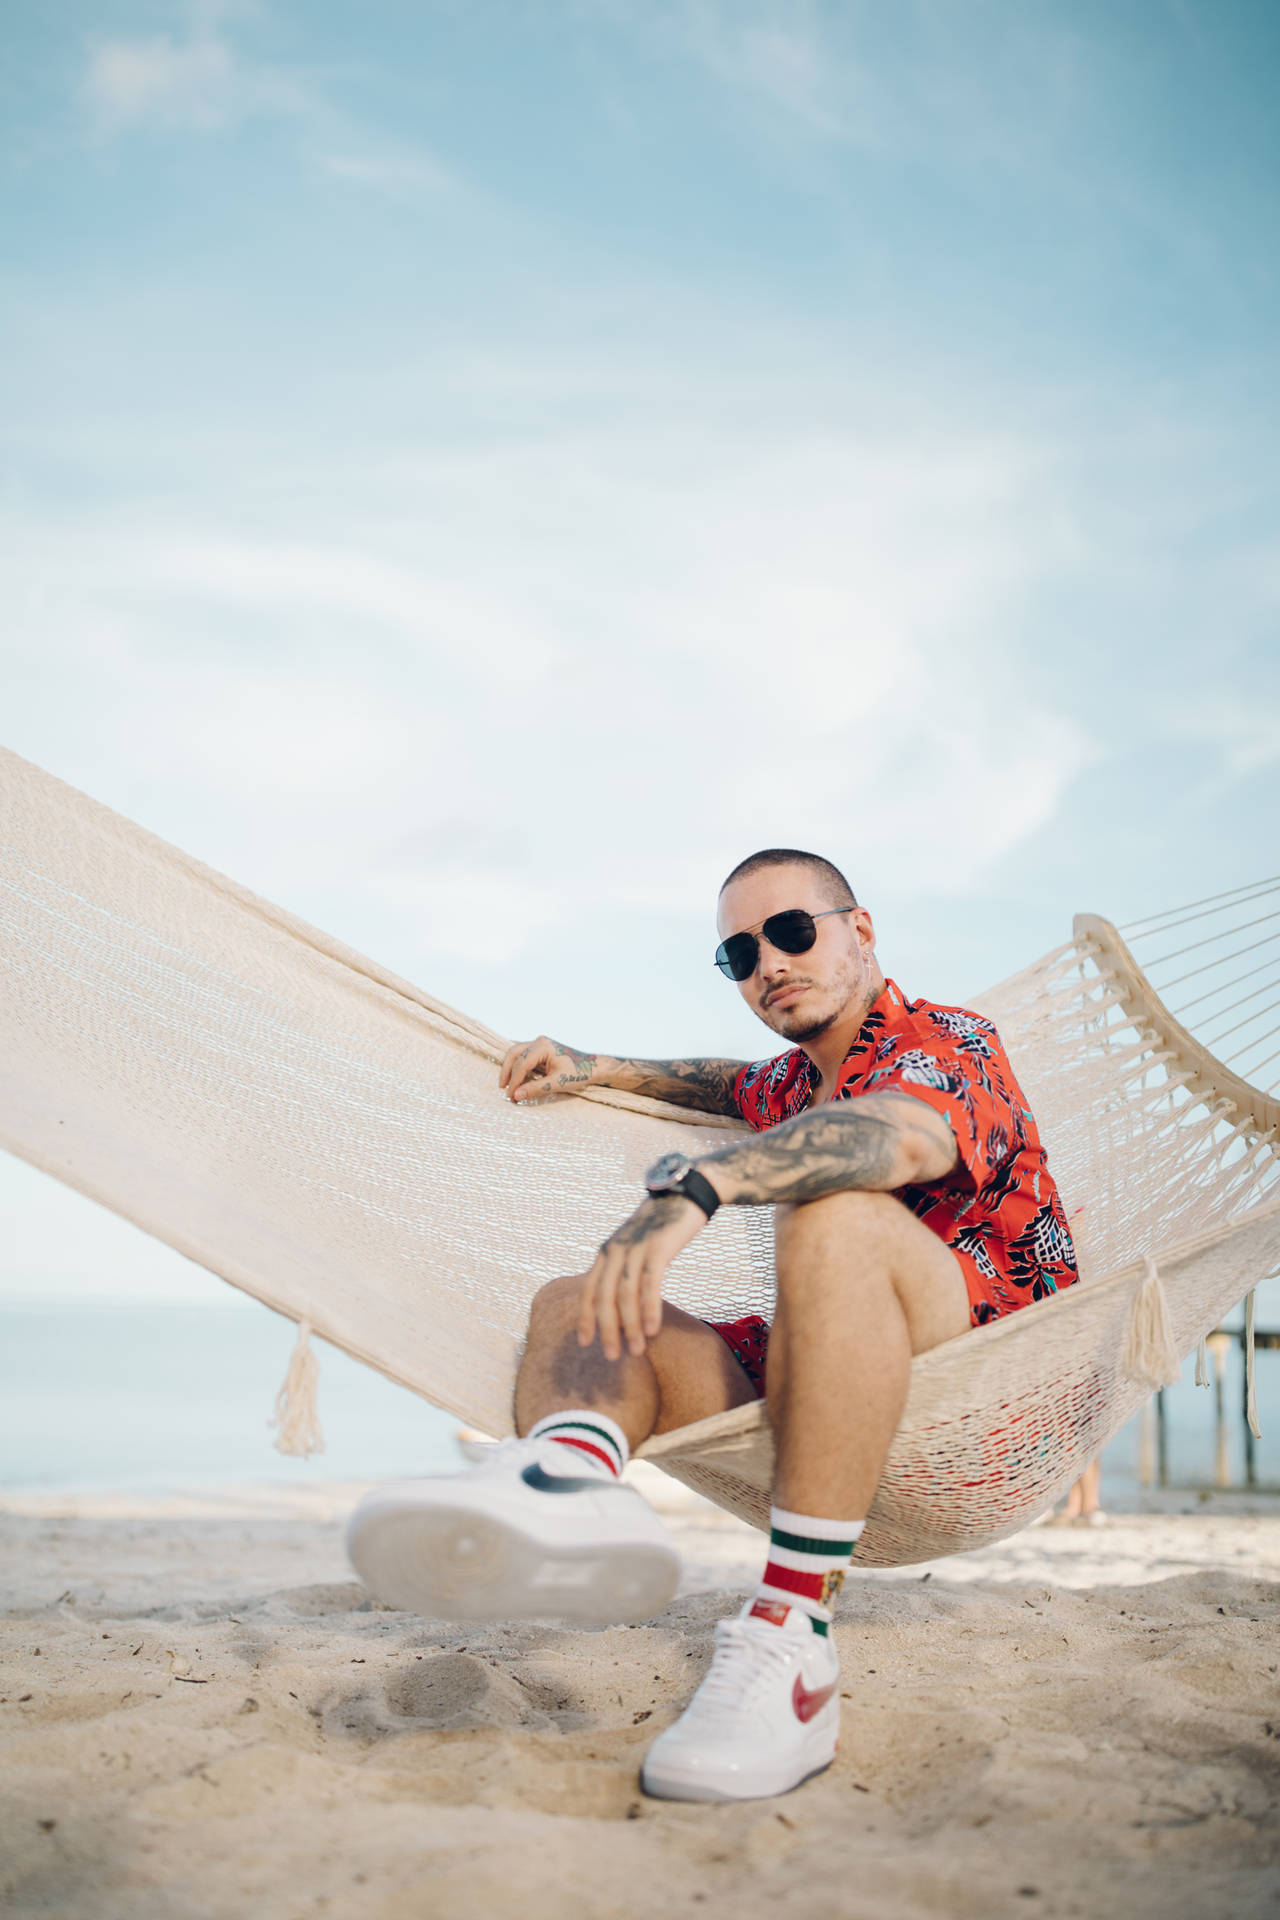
<point x="584" y="666"/>
<point x="1228" y="738"/>
<point x="197" y="82"/>
<point x="389" y="170"/>
<point x="779" y="55"/>
<point x="204" y="83"/>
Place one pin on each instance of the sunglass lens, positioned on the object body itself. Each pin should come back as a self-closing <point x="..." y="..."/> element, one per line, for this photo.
<point x="736" y="957"/>
<point x="791" y="932"/>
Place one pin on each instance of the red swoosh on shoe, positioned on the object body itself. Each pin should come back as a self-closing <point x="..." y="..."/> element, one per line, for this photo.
<point x="808" y="1703"/>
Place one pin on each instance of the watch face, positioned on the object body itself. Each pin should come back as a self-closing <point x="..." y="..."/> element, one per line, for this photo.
<point x="665" y="1173"/>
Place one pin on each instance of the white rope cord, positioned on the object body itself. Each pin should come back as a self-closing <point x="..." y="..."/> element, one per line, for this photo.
<point x="1223" y="1161"/>
<point x="1250" y="1046"/>
<point x="1215" y="1040"/>
<point x="1215" y="1170"/>
<point x="1221" y="933"/>
<point x="1136" y="1076"/>
<point x="1239" y="953"/>
<point x="1216" y="902"/>
<point x="1264" y="966"/>
<point x="1255" y="1070"/>
<point x="1262" y="1161"/>
<point x="1212" y="940"/>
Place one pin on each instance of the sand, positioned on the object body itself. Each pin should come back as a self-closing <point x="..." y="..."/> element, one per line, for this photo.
<point x="201" y="1713"/>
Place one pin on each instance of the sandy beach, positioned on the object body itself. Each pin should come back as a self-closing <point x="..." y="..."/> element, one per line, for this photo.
<point x="204" y="1714"/>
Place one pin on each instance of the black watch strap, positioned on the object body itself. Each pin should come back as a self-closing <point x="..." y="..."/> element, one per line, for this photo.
<point x="696" y="1187"/>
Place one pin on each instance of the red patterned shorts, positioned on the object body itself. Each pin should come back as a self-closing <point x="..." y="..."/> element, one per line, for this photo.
<point x="748" y="1341"/>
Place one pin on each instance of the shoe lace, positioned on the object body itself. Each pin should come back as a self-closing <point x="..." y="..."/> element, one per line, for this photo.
<point x="745" y="1660"/>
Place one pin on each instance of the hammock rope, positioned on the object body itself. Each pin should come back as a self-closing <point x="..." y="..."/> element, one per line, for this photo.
<point x="331" y="1139"/>
<point x="1213" y="903"/>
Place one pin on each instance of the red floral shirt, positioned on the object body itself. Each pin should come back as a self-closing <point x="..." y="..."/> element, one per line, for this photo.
<point x="998" y="1209"/>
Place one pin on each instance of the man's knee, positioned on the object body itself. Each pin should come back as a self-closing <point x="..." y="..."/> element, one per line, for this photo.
<point x="852" y="1216"/>
<point x="861" y="1250"/>
<point x="841" y="1246"/>
<point x="556" y="1301"/>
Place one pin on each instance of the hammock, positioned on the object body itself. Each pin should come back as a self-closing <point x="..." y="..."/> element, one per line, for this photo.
<point x="332" y="1140"/>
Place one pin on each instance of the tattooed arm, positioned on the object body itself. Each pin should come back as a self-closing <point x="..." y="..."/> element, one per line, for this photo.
<point x="875" y="1141"/>
<point x="533" y="1069"/>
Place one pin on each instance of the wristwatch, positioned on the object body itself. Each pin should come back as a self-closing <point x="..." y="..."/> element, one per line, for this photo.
<point x="674" y="1173"/>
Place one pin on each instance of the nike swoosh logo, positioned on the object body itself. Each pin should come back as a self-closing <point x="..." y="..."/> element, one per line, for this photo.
<point x="807" y="1704"/>
<point x="542" y="1482"/>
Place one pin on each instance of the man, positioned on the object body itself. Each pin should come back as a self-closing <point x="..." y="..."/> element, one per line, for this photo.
<point x="912" y="1201"/>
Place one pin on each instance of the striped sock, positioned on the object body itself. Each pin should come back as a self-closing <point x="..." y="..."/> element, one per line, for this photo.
<point x="807" y="1562"/>
<point x="597" y="1441"/>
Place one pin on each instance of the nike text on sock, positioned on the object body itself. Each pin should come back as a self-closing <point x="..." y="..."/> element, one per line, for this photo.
<point x="808" y="1558"/>
<point x="597" y="1440"/>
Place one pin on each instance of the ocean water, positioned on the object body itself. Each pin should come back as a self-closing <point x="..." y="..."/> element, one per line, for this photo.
<point x="168" y="1394"/>
<point x="172" y="1393"/>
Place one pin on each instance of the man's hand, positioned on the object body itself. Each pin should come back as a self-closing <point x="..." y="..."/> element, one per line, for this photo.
<point x="534" y="1068"/>
<point x="622" y="1294"/>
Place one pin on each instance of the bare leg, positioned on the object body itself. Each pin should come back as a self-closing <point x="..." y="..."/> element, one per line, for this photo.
<point x="862" y="1286"/>
<point x="1085" y="1496"/>
<point x="687" y="1374"/>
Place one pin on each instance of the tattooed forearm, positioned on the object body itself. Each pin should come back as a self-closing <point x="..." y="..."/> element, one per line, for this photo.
<point x="705" y="1084"/>
<point x="584" y="1066"/>
<point x="537" y="1069"/>
<point x="877" y="1142"/>
<point x="651" y="1218"/>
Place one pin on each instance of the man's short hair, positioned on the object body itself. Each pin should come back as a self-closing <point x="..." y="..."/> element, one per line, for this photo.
<point x="834" y="887"/>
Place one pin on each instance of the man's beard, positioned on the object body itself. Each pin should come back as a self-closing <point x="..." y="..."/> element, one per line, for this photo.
<point x="851" y="988"/>
<point x="783" y="1023"/>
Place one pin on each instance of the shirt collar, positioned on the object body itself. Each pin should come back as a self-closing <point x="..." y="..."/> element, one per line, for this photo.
<point x="886" y="1012"/>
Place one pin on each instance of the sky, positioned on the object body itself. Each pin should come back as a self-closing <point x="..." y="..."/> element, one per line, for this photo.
<point x="475" y="471"/>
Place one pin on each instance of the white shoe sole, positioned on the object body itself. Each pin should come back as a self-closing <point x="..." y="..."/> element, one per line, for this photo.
<point x="451" y="1564"/>
<point x="673" y="1783"/>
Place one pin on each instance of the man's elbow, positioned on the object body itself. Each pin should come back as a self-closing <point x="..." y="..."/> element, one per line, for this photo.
<point x="928" y="1155"/>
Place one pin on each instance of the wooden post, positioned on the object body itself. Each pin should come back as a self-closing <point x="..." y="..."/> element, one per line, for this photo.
<point x="1250" y="1463"/>
<point x="1147" y="1445"/>
<point x="1218" y="1344"/>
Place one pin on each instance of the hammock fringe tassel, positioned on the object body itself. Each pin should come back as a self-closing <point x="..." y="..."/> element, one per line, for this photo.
<point x="1202" y="1364"/>
<point x="297" y="1418"/>
<point x="1150" y="1356"/>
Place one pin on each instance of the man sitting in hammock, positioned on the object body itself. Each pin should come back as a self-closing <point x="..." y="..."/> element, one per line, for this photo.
<point x="912" y="1202"/>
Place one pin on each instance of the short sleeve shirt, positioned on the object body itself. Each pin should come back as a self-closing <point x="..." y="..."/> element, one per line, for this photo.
<point x="998" y="1209"/>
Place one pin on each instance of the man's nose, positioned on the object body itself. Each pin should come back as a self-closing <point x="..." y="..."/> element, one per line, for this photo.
<point x="773" y="964"/>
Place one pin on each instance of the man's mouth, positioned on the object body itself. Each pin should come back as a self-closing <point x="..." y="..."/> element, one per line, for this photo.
<point x="784" y="995"/>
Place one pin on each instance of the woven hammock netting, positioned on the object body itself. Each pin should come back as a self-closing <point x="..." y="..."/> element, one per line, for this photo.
<point x="331" y="1139"/>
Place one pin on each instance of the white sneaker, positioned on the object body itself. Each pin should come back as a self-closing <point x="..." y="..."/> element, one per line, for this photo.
<point x="515" y="1538"/>
<point x="766" y="1717"/>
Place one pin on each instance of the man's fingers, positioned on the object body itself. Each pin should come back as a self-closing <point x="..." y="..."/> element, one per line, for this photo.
<point x="539" y="1085"/>
<point x="530" y="1058"/>
<point x="607" y="1303"/>
<point x="628" y="1298"/>
<point x="587" y="1303"/>
<point x="651" y="1299"/>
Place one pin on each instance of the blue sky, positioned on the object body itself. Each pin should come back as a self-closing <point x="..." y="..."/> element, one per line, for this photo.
<point x="474" y="471"/>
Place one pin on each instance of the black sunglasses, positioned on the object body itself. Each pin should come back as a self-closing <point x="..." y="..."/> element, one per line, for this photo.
<point x="790" y="932"/>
